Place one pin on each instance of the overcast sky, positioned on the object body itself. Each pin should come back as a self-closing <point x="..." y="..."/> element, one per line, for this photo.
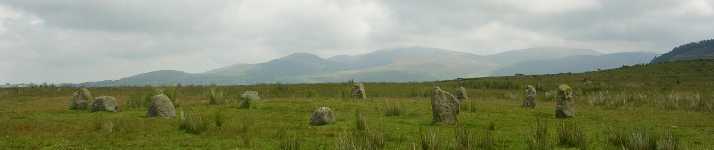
<point x="89" y="40"/>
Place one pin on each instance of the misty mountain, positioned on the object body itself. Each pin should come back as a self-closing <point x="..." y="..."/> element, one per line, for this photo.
<point x="410" y="64"/>
<point x="540" y="53"/>
<point x="392" y="65"/>
<point x="575" y="64"/>
<point x="696" y="50"/>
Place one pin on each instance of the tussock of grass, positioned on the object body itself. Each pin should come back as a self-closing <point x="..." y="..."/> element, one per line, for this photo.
<point x="572" y="135"/>
<point x="429" y="139"/>
<point x="219" y="118"/>
<point x="642" y="139"/>
<point x="488" y="140"/>
<point x="361" y="137"/>
<point x="288" y="141"/>
<point x="464" y="138"/>
<point x="192" y="123"/>
<point x="139" y="100"/>
<point x="215" y="96"/>
<point x="393" y="109"/>
<point x="539" y="139"/>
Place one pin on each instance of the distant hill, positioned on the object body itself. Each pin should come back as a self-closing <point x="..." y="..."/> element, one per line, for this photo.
<point x="697" y="50"/>
<point x="412" y="64"/>
<point x="576" y="64"/>
<point x="539" y="53"/>
<point x="389" y="65"/>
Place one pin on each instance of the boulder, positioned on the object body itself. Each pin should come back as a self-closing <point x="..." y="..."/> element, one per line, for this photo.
<point x="564" y="102"/>
<point x="322" y="116"/>
<point x="530" y="102"/>
<point x="461" y="94"/>
<point x="358" y="91"/>
<point x="444" y="107"/>
<point x="81" y="99"/>
<point x="161" y="106"/>
<point x="105" y="103"/>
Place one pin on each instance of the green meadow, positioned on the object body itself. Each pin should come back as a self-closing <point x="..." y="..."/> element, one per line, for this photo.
<point x="642" y="107"/>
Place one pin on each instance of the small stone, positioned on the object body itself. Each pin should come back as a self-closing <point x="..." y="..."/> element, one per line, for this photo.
<point x="105" y="103"/>
<point x="322" y="116"/>
<point x="530" y="102"/>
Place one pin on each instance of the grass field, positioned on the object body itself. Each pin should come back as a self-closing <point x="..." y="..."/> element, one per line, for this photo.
<point x="667" y="106"/>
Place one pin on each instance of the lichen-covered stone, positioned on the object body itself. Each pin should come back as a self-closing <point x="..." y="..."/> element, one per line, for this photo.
<point x="81" y="99"/>
<point x="105" y="103"/>
<point x="444" y="107"/>
<point x="358" y="91"/>
<point x="530" y="102"/>
<point x="322" y="116"/>
<point x="461" y="94"/>
<point x="564" y="102"/>
<point x="161" y="106"/>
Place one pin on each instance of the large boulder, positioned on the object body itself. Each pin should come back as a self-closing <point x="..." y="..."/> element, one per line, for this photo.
<point x="358" y="91"/>
<point x="81" y="99"/>
<point x="105" y="103"/>
<point x="322" y="116"/>
<point x="161" y="106"/>
<point x="564" y="102"/>
<point x="461" y="94"/>
<point x="444" y="107"/>
<point x="530" y="102"/>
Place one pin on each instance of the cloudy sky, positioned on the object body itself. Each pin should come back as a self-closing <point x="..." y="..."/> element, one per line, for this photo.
<point x="88" y="40"/>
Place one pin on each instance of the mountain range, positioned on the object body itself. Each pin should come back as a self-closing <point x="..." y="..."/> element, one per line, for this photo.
<point x="393" y="65"/>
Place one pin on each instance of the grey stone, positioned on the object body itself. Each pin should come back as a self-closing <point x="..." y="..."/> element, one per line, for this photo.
<point x="461" y="94"/>
<point x="444" y="107"/>
<point x="161" y="106"/>
<point x="564" y="102"/>
<point x="322" y="116"/>
<point x="105" y="103"/>
<point x="81" y="99"/>
<point x="530" y="102"/>
<point x="358" y="91"/>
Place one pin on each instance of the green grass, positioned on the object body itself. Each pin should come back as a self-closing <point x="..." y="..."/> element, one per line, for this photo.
<point x="669" y="104"/>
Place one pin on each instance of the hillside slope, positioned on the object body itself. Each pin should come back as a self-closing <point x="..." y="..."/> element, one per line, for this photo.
<point x="696" y="50"/>
<point x="576" y="64"/>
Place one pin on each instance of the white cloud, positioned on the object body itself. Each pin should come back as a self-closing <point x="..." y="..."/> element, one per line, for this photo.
<point x="552" y="6"/>
<point x="97" y="40"/>
<point x="697" y="7"/>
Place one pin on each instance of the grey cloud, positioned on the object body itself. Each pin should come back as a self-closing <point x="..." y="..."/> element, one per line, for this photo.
<point x="120" y="38"/>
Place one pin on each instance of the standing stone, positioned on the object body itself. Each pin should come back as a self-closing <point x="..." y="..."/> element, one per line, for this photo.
<point x="444" y="107"/>
<point x="530" y="102"/>
<point x="161" y="106"/>
<point x="358" y="91"/>
<point x="564" y="102"/>
<point x="461" y="94"/>
<point x="246" y="98"/>
<point x="322" y="116"/>
<point x="81" y="99"/>
<point x="105" y="103"/>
